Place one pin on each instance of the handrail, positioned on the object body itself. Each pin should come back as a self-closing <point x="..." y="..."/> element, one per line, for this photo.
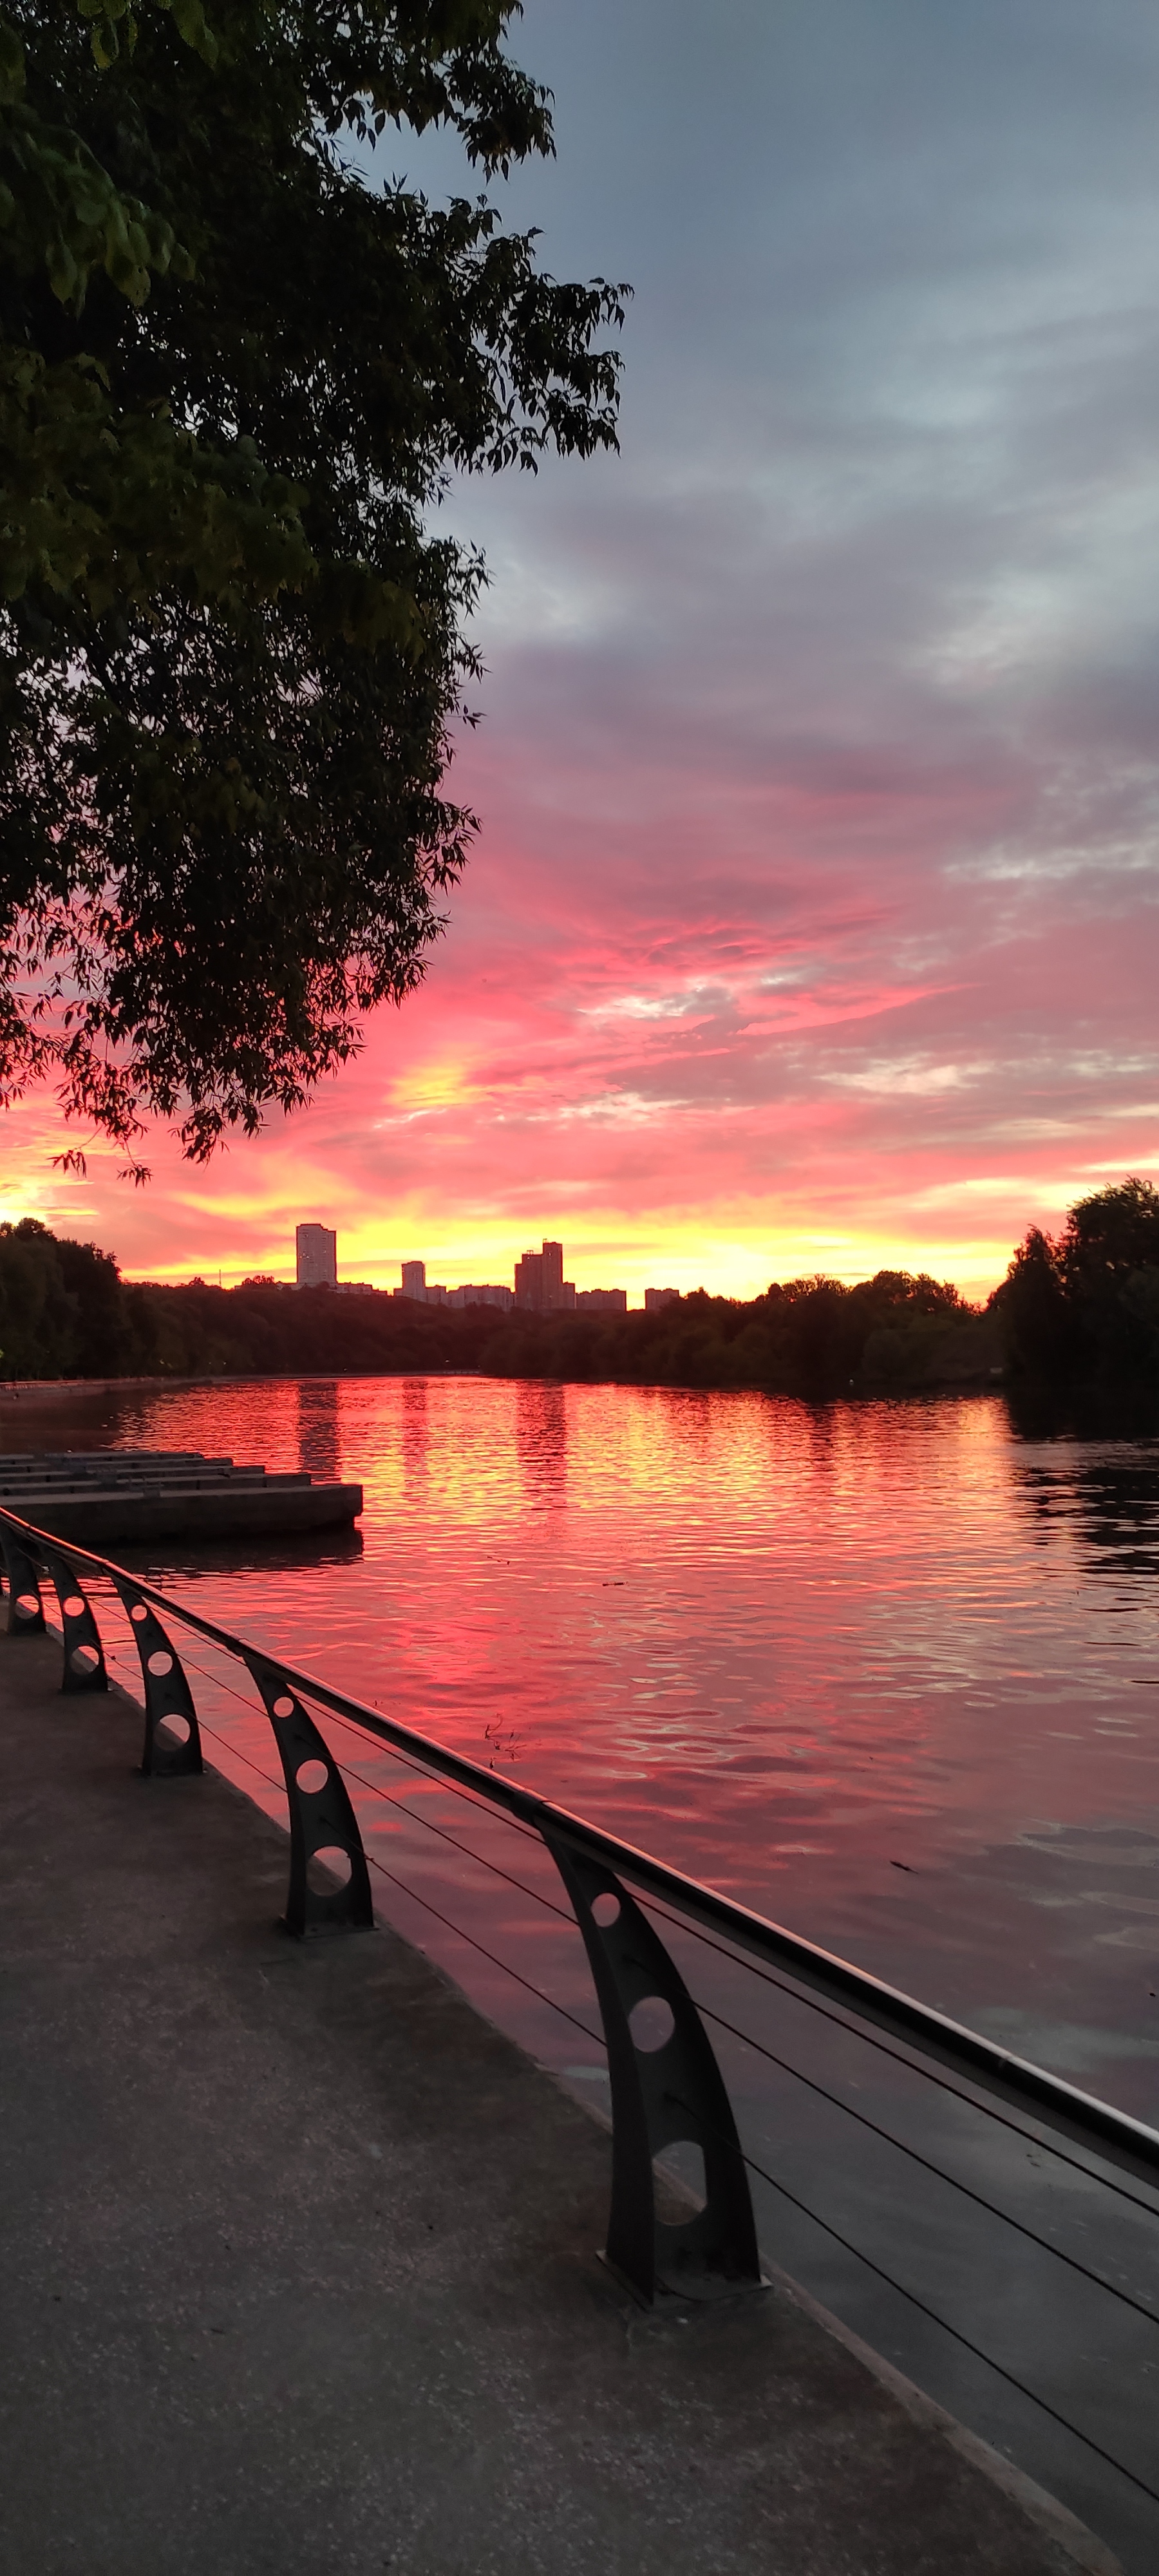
<point x="1124" y="2141"/>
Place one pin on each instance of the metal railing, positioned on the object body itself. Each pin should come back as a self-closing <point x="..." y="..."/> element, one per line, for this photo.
<point x="662" y="2096"/>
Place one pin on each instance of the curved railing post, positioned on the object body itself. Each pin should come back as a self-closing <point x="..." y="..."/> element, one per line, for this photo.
<point x="321" y="1816"/>
<point x="660" y="2098"/>
<point x="84" y="1655"/>
<point x="167" y="1692"/>
<point x="25" y="1607"/>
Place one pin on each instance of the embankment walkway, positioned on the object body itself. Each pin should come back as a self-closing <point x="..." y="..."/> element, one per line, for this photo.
<point x="300" y="2266"/>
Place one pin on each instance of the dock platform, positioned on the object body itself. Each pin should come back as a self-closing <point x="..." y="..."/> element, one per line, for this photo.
<point x="105" y="1498"/>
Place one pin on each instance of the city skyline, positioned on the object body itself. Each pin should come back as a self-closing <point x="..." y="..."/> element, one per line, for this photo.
<point x="538" y="1284"/>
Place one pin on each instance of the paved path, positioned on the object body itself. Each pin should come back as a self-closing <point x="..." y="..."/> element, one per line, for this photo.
<point x="299" y="2266"/>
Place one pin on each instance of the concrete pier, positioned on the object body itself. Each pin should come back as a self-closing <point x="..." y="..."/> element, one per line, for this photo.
<point x="300" y="2257"/>
<point x="105" y="1498"/>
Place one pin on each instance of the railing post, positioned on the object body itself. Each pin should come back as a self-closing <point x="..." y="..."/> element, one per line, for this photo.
<point x="661" y="2097"/>
<point x="167" y="1693"/>
<point x="84" y="1655"/>
<point x="322" y="1819"/>
<point x="25" y="1607"/>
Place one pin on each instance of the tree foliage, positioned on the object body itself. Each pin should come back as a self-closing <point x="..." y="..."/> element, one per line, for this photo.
<point x="1083" y="1306"/>
<point x="63" y="1309"/>
<point x="234" y="377"/>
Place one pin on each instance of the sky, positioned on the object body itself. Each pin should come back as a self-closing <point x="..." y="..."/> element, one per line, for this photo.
<point x="813" y="921"/>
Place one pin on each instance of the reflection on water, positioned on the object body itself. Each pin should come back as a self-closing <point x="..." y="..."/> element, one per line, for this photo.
<point x="886" y="1671"/>
<point x="319" y="1449"/>
<point x="414" y="1438"/>
<point x="541" y="1442"/>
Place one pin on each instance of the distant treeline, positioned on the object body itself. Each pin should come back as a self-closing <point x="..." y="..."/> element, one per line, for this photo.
<point x="65" y="1312"/>
<point x="1076" y="1316"/>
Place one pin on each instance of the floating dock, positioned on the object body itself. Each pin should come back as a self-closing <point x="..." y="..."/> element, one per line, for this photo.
<point x="104" y="1497"/>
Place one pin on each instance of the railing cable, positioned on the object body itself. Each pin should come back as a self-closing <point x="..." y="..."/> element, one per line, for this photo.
<point x="914" y="2065"/>
<point x="458" y="1929"/>
<point x="482" y="1858"/>
<point x="376" y="1790"/>
<point x="939" y="2171"/>
<point x="463" y="1935"/>
<point x="421" y="1770"/>
<point x="955" y="2331"/>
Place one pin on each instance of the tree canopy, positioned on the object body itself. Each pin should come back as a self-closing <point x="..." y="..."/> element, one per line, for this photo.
<point x="63" y="1310"/>
<point x="1083" y="1305"/>
<point x="235" y="374"/>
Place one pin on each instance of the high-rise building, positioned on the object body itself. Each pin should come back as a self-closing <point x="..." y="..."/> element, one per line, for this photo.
<point x="317" y="1249"/>
<point x="414" y="1281"/>
<point x="656" y="1298"/>
<point x="603" y="1301"/>
<point x="529" y="1280"/>
<point x="540" y="1283"/>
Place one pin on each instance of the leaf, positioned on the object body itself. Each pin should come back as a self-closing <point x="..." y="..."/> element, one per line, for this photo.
<point x="11" y="64"/>
<point x="63" y="273"/>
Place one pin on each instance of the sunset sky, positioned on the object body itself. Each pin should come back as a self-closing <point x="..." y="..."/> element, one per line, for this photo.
<point x="813" y="921"/>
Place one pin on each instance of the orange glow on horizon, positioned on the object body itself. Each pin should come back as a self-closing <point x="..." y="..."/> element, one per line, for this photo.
<point x="733" y="1248"/>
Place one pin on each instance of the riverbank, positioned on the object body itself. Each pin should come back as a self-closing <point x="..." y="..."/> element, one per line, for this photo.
<point x="301" y="2266"/>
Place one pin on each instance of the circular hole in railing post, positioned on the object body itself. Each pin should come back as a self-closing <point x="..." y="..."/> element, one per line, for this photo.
<point x="74" y="1607"/>
<point x="284" y="1706"/>
<point x="685" y="2160"/>
<point x="651" y="2023"/>
<point x="84" y="1659"/>
<point x="27" y="1603"/>
<point x="173" y="1729"/>
<point x="324" y="1866"/>
<point x="138" y="1612"/>
<point x="312" y="1776"/>
<point x="160" y="1662"/>
<point x="606" y="1908"/>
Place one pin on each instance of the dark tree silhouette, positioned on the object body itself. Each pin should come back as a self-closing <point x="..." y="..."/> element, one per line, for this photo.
<point x="234" y="376"/>
<point x="1083" y="1306"/>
